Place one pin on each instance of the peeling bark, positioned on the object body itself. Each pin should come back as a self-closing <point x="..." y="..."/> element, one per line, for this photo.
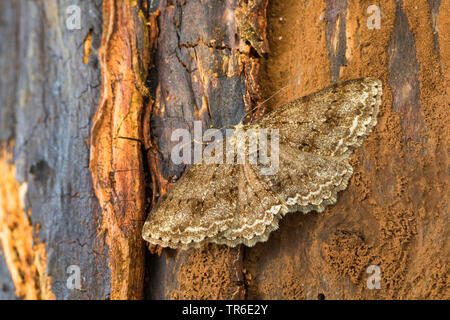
<point x="25" y="256"/>
<point x="116" y="143"/>
<point x="48" y="97"/>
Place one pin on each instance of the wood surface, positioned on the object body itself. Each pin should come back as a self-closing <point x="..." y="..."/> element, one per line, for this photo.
<point x="148" y="67"/>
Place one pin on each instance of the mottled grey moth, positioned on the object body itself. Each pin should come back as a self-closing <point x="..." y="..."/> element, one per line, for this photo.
<point x="234" y="204"/>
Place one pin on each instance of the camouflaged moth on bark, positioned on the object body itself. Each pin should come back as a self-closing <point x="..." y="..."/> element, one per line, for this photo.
<point x="234" y="204"/>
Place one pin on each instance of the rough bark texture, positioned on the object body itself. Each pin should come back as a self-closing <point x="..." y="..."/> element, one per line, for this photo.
<point x="48" y="99"/>
<point x="212" y="64"/>
<point x="116" y="142"/>
<point x="394" y="214"/>
<point x="205" y="71"/>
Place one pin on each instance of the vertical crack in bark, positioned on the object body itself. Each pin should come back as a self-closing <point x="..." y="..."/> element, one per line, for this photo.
<point x="336" y="18"/>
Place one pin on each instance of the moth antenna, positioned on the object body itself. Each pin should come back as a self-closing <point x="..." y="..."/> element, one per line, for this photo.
<point x="266" y="100"/>
<point x="248" y="112"/>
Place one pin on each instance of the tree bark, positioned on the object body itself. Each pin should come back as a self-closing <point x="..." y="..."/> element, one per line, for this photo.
<point x="109" y="95"/>
<point x="50" y="217"/>
<point x="394" y="213"/>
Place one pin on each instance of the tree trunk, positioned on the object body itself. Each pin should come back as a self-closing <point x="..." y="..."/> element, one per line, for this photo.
<point x="86" y="116"/>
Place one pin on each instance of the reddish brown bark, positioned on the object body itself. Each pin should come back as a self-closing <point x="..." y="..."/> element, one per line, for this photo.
<point x="116" y="142"/>
<point x="393" y="214"/>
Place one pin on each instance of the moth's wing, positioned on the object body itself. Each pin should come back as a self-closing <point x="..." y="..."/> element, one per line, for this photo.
<point x="224" y="204"/>
<point x="220" y="203"/>
<point x="307" y="181"/>
<point x="259" y="209"/>
<point x="303" y="182"/>
<point x="317" y="135"/>
<point x="330" y="122"/>
<point x="199" y="206"/>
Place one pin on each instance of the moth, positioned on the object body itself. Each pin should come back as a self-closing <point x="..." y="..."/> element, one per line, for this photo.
<point x="235" y="204"/>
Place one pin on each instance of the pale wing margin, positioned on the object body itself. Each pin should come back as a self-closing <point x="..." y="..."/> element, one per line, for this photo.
<point x="198" y="207"/>
<point x="330" y="122"/>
